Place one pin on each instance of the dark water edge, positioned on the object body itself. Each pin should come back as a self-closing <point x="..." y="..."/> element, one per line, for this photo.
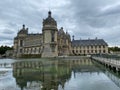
<point x="50" y="74"/>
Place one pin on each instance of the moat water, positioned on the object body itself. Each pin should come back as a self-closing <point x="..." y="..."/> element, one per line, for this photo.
<point x="58" y="74"/>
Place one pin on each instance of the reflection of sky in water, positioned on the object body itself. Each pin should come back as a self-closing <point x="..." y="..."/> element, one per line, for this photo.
<point x="7" y="82"/>
<point x="90" y="81"/>
<point x="78" y="81"/>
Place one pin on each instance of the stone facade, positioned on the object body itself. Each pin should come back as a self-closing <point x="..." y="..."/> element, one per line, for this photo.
<point x="50" y="43"/>
<point x="53" y="42"/>
<point x="90" y="46"/>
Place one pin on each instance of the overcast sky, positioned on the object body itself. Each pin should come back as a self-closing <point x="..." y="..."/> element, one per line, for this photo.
<point x="82" y="18"/>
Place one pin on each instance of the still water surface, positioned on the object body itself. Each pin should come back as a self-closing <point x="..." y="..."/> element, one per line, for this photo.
<point x="46" y="74"/>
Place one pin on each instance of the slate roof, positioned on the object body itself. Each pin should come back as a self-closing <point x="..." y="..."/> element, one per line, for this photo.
<point x="89" y="42"/>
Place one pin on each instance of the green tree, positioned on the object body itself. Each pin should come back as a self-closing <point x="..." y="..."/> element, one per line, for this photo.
<point x="3" y="49"/>
<point x="114" y="49"/>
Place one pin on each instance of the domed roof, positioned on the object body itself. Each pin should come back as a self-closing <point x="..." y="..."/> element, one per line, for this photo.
<point x="49" y="20"/>
<point x="61" y="31"/>
<point x="23" y="30"/>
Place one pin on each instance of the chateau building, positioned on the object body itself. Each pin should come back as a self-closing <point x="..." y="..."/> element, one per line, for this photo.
<point x="90" y="46"/>
<point x="54" y="42"/>
<point x="50" y="43"/>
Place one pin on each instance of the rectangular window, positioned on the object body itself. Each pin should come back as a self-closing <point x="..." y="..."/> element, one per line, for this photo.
<point x="103" y="51"/>
<point x="80" y="51"/>
<point x="52" y="36"/>
<point x="87" y="47"/>
<point x="39" y="50"/>
<point x="95" y="47"/>
<point x="76" y="51"/>
<point x="20" y="50"/>
<point x="99" y="51"/>
<point x="103" y="46"/>
<point x="91" y="51"/>
<point x="99" y="46"/>
<point x="95" y="51"/>
<point x="21" y="42"/>
<point x="87" y="51"/>
<point x="91" y="46"/>
<point x="80" y="47"/>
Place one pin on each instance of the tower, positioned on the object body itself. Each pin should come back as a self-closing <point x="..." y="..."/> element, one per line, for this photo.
<point x="19" y="41"/>
<point x="49" y="30"/>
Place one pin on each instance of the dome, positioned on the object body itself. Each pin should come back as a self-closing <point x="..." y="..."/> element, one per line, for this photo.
<point x="61" y="31"/>
<point x="49" y="20"/>
<point x="23" y="30"/>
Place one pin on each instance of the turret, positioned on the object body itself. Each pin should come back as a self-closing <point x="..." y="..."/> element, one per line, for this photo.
<point x="19" y="41"/>
<point x="23" y="32"/>
<point x="49" y="36"/>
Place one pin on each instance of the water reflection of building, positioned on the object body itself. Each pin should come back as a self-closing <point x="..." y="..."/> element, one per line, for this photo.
<point x="49" y="75"/>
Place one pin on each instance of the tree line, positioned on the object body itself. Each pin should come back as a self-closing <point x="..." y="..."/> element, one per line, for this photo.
<point x="3" y="49"/>
<point x="114" y="49"/>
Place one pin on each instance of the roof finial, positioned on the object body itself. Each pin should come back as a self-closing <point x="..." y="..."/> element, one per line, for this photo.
<point x="62" y="28"/>
<point x="23" y="25"/>
<point x="49" y="13"/>
<point x="73" y="37"/>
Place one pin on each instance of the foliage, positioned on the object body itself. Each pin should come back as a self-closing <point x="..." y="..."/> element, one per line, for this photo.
<point x="114" y="48"/>
<point x="3" y="49"/>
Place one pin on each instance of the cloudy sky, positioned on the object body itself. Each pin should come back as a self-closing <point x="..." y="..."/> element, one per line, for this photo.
<point x="82" y="18"/>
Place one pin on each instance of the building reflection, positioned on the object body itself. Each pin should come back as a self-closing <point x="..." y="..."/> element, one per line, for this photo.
<point x="48" y="75"/>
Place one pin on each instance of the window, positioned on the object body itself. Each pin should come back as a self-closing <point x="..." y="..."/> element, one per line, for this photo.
<point x="91" y="46"/>
<point x="91" y="51"/>
<point x="87" y="47"/>
<point x="52" y="36"/>
<point x="95" y="51"/>
<point x="39" y="50"/>
<point x="87" y="51"/>
<point x="20" y="50"/>
<point x="80" y="47"/>
<point x="99" y="46"/>
<point x="103" y="46"/>
<point x="73" y="51"/>
<point x="83" y="47"/>
<point x="84" y="51"/>
<point x="80" y="51"/>
<point x="34" y="50"/>
<point x="76" y="51"/>
<point x="21" y="42"/>
<point x="95" y="47"/>
<point x="103" y="51"/>
<point x="99" y="51"/>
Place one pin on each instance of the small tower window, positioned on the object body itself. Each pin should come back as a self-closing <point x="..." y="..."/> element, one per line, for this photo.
<point x="21" y="42"/>
<point x="20" y="50"/>
<point x="52" y="36"/>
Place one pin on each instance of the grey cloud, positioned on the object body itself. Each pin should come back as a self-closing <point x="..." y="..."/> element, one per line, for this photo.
<point x="88" y="14"/>
<point x="7" y="31"/>
<point x="2" y="38"/>
<point x="82" y="18"/>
